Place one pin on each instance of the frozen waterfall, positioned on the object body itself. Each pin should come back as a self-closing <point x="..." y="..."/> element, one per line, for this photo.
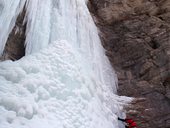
<point x="65" y="80"/>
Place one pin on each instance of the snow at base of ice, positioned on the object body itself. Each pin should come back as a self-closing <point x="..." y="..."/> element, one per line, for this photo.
<point x="50" y="90"/>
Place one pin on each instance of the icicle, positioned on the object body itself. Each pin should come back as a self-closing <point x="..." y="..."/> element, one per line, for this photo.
<point x="38" y="25"/>
<point x="51" y="20"/>
<point x="9" y="10"/>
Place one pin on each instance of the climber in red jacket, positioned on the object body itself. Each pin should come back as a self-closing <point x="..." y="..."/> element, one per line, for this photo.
<point x="129" y="123"/>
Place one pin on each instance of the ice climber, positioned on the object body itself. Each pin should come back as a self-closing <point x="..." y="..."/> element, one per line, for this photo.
<point x="129" y="123"/>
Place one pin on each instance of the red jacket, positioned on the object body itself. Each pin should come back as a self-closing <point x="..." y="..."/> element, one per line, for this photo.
<point x="131" y="123"/>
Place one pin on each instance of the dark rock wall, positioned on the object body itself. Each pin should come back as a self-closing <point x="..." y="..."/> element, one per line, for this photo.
<point x="136" y="36"/>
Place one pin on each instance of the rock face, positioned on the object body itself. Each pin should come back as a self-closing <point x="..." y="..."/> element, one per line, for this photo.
<point x="136" y="36"/>
<point x="15" y="48"/>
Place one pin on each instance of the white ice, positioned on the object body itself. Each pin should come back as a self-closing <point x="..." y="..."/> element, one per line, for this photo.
<point x="65" y="80"/>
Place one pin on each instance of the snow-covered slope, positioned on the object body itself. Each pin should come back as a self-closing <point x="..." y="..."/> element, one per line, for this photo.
<point x="65" y="80"/>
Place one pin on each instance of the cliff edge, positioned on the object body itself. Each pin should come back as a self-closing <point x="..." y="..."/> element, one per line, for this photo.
<point x="136" y="36"/>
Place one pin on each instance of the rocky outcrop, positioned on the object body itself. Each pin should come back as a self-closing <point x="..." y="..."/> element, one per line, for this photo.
<point x="15" y="47"/>
<point x="136" y="36"/>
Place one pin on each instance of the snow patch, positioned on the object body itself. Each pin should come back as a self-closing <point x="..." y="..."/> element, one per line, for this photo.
<point x="62" y="95"/>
